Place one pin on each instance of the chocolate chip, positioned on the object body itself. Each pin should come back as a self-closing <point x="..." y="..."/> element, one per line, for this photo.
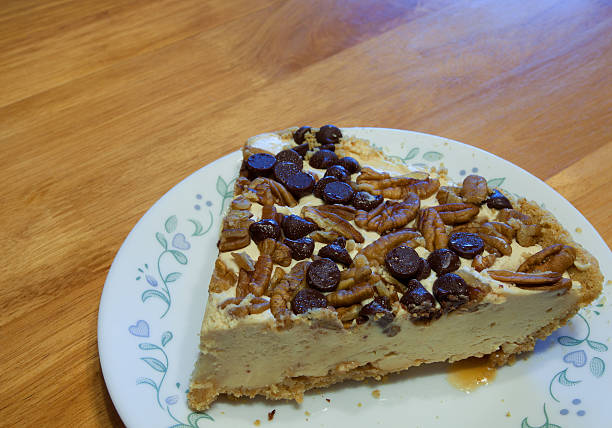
<point x="403" y="262"/>
<point x="451" y="291"/>
<point x="301" y="149"/>
<point x="264" y="229"/>
<point x="323" y="275"/>
<point x="337" y="192"/>
<point x="351" y="164"/>
<point x="300" y="248"/>
<point x="300" y="135"/>
<point x="443" y="261"/>
<point x="328" y="134"/>
<point x="318" y="189"/>
<point x="307" y="299"/>
<point x="292" y="156"/>
<point x="295" y="227"/>
<point x="337" y="253"/>
<point x="260" y="164"/>
<point x="424" y="272"/>
<point x="340" y="241"/>
<point x="284" y="170"/>
<point x="366" y="201"/>
<point x="419" y="302"/>
<point x="467" y="245"/>
<point x="323" y="159"/>
<point x="378" y="310"/>
<point x="329" y="147"/>
<point x="300" y="184"/>
<point x="498" y="201"/>
<point x="339" y="172"/>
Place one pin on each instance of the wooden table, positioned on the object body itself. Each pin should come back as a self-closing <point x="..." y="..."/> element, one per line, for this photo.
<point x="105" y="105"/>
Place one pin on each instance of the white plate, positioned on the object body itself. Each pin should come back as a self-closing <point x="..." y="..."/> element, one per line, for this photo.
<point x="154" y="298"/>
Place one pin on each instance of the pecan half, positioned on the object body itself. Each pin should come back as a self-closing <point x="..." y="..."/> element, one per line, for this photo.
<point x="397" y="187"/>
<point x="433" y="229"/>
<point x="344" y="211"/>
<point x="555" y="258"/>
<point x="475" y="189"/>
<point x="449" y="195"/>
<point x="524" y="278"/>
<point x="348" y="313"/>
<point x="263" y="268"/>
<point x="265" y="191"/>
<point x="350" y="296"/>
<point x="244" y="279"/>
<point x="235" y="230"/>
<point x="481" y="262"/>
<point x="269" y="212"/>
<point x="255" y="305"/>
<point x="330" y="221"/>
<point x="324" y="236"/>
<point x="527" y="231"/>
<point x="377" y="250"/>
<point x="360" y="272"/>
<point x="563" y="284"/>
<point x="293" y="281"/>
<point x="456" y="213"/>
<point x="244" y="261"/>
<point x="280" y="253"/>
<point x="389" y="215"/>
<point x="222" y="278"/>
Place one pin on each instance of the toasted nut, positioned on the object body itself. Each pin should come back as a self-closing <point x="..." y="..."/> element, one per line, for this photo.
<point x="325" y="236"/>
<point x="525" y="279"/>
<point x="255" y="305"/>
<point x="492" y="242"/>
<point x="433" y="230"/>
<point x="376" y="251"/>
<point x="265" y="191"/>
<point x="346" y="212"/>
<point x="389" y="215"/>
<point x="240" y="203"/>
<point x="277" y="276"/>
<point x="351" y="296"/>
<point x="235" y="231"/>
<point x="389" y="292"/>
<point x="481" y="262"/>
<point x="456" y="213"/>
<point x="330" y="221"/>
<point x="502" y="230"/>
<point x="555" y="258"/>
<point x="563" y="284"/>
<point x="359" y="273"/>
<point x="269" y="212"/>
<point x="286" y="289"/>
<point x="496" y="242"/>
<point x="398" y="187"/>
<point x="244" y="261"/>
<point x="526" y="234"/>
<point x="506" y="214"/>
<point x="242" y="287"/>
<point x="449" y="195"/>
<point x="222" y="278"/>
<point x="263" y="268"/>
<point x="474" y="190"/>
<point x="348" y="313"/>
<point x="230" y="301"/>
<point x="280" y="253"/>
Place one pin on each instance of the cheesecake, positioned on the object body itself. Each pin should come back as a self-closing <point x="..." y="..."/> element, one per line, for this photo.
<point x="336" y="262"/>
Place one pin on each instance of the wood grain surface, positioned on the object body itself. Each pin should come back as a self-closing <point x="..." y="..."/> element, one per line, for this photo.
<point x="105" y="105"/>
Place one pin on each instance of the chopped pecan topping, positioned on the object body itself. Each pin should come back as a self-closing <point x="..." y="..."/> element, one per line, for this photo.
<point x="383" y="290"/>
<point x="456" y="213"/>
<point x="325" y="236"/>
<point x="481" y="262"/>
<point x="263" y="268"/>
<point x="277" y="277"/>
<point x="244" y="261"/>
<point x="398" y="187"/>
<point x="555" y="258"/>
<point x="496" y="242"/>
<point x="475" y="189"/>
<point x="376" y="251"/>
<point x="222" y="278"/>
<point x="244" y="279"/>
<point x="359" y="273"/>
<point x="330" y="221"/>
<point x="348" y="313"/>
<point x="433" y="229"/>
<point x="524" y="278"/>
<point x="293" y="281"/>
<point x="280" y="253"/>
<point x="344" y="211"/>
<point x="265" y="191"/>
<point x="449" y="195"/>
<point x="255" y="305"/>
<point x="563" y="284"/>
<point x="235" y="231"/>
<point x="389" y="215"/>
<point x="527" y="231"/>
<point x="350" y="296"/>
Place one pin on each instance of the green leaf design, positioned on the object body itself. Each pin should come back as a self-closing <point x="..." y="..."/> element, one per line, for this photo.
<point x="432" y="156"/>
<point x="162" y="240"/>
<point x="193" y="418"/>
<point x="411" y="154"/>
<point x="525" y="424"/>
<point x="563" y="380"/>
<point x="221" y="186"/>
<point x="166" y="337"/>
<point x="180" y="257"/>
<point x="496" y="182"/>
<point x="597" y="346"/>
<point x="171" y="224"/>
<point x="146" y="381"/>
<point x="155" y="364"/>
<point x="568" y="341"/>
<point x="597" y="367"/>
<point x="181" y="426"/>
<point x="147" y="294"/>
<point x="198" y="227"/>
<point x="147" y="346"/>
<point x="173" y="276"/>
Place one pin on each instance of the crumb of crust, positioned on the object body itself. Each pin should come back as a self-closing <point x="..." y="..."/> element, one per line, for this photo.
<point x="508" y="414"/>
<point x="271" y="414"/>
<point x="376" y="393"/>
<point x="359" y="404"/>
<point x="257" y="422"/>
<point x="328" y="400"/>
<point x="578" y="229"/>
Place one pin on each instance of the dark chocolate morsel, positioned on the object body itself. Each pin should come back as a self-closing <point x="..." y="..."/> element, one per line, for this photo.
<point x="295" y="227"/>
<point x="301" y="149"/>
<point x="307" y="299"/>
<point x="498" y="201"/>
<point x="300" y="184"/>
<point x="318" y="189"/>
<point x="284" y="170"/>
<point x="339" y="172"/>
<point x="337" y="253"/>
<point x="403" y="262"/>
<point x="465" y="244"/>
<point x="323" y="275"/>
<point x="351" y="164"/>
<point x="451" y="291"/>
<point x="366" y="201"/>
<point x="340" y="241"/>
<point x="329" y="147"/>
<point x="443" y="261"/>
<point x="337" y="192"/>
<point x="419" y="302"/>
<point x="424" y="272"/>
<point x="300" y="248"/>
<point x="263" y="229"/>
<point x="260" y="164"/>
<point x="378" y="310"/>
<point x="328" y="134"/>
<point x="323" y="159"/>
<point x="300" y="135"/>
<point x="292" y="156"/>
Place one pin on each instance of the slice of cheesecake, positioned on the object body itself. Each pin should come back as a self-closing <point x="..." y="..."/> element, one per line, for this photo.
<point x="337" y="263"/>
